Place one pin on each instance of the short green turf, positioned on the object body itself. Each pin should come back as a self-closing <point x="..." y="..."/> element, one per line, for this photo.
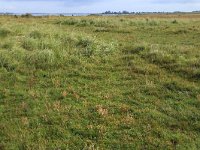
<point x="98" y="83"/>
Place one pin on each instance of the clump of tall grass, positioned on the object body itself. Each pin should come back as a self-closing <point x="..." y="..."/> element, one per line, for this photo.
<point x="4" y="32"/>
<point x="80" y="44"/>
<point x="5" y="59"/>
<point x="161" y="55"/>
<point x="93" y="47"/>
<point x="40" y="44"/>
<point x="84" y="41"/>
<point x="41" y="59"/>
<point x="152" y="23"/>
<point x="146" y="22"/>
<point x="88" y="22"/>
<point x="100" y="29"/>
<point x="36" y="34"/>
<point x="69" y="22"/>
<point x="175" y="22"/>
<point x="9" y="60"/>
<point x="181" y="31"/>
<point x="175" y="59"/>
<point x="29" y="44"/>
<point x="57" y="49"/>
<point x="103" y="23"/>
<point x="8" y="44"/>
<point x="134" y="49"/>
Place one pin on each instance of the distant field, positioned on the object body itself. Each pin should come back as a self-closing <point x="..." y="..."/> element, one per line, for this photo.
<point x="128" y="82"/>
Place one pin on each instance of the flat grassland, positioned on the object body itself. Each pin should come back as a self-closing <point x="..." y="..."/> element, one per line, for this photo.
<point x="128" y="82"/>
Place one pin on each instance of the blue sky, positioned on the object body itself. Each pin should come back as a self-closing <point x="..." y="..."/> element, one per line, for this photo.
<point x="93" y="6"/>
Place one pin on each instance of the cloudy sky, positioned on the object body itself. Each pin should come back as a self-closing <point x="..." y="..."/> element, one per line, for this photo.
<point x="93" y="6"/>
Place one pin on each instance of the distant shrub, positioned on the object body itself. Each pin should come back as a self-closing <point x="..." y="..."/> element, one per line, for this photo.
<point x="27" y="15"/>
<point x="15" y="16"/>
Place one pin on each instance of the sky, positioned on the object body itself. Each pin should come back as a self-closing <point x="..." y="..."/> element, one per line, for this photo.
<point x="96" y="6"/>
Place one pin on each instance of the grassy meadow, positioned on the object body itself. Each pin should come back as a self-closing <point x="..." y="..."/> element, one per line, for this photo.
<point x="98" y="83"/>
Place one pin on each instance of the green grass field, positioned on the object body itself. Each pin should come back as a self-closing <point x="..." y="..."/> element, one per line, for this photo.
<point x="98" y="83"/>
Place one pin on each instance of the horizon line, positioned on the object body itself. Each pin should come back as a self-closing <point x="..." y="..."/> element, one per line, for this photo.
<point x="98" y="12"/>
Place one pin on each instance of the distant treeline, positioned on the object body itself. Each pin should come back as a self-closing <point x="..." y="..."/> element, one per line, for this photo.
<point x="28" y="15"/>
<point x="127" y="12"/>
<point x="12" y="14"/>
